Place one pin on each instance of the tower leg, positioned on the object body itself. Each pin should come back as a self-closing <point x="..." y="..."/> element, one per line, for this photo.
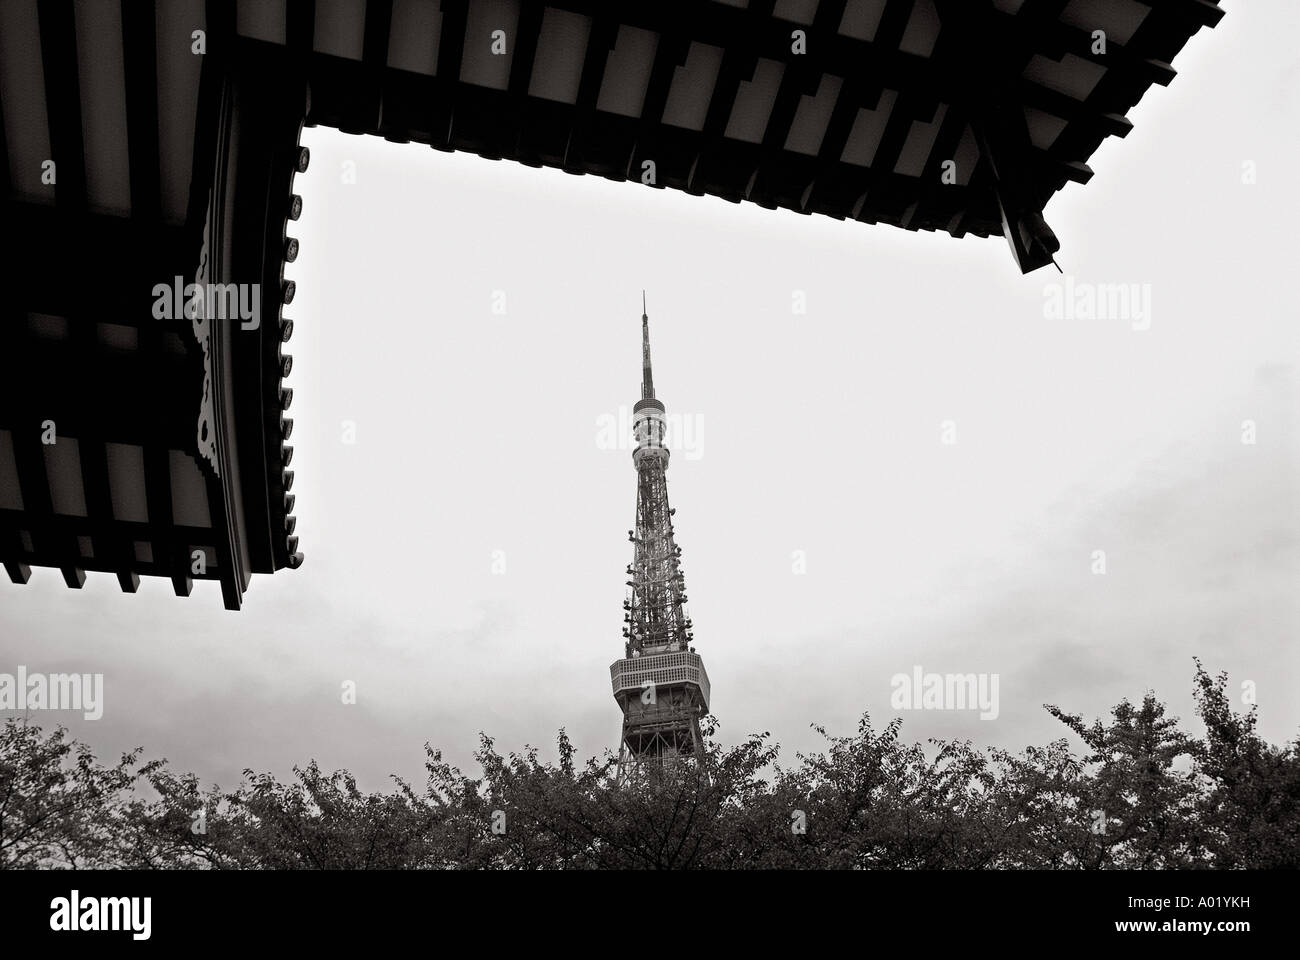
<point x="701" y="758"/>
<point x="697" y="739"/>
<point x="661" y="750"/>
<point x="620" y="772"/>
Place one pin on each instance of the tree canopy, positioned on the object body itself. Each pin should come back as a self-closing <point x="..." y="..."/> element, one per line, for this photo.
<point x="1135" y="791"/>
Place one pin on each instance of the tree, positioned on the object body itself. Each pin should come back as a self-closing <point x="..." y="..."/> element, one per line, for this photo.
<point x="56" y="803"/>
<point x="1251" y="808"/>
<point x="1143" y="794"/>
<point x="1135" y="809"/>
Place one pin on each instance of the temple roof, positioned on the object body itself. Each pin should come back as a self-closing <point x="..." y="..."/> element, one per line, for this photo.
<point x="130" y="128"/>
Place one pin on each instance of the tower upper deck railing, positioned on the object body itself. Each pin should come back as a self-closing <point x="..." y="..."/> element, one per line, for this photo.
<point x="661" y="669"/>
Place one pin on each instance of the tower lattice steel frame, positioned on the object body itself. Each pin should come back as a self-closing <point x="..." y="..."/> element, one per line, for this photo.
<point x="660" y="684"/>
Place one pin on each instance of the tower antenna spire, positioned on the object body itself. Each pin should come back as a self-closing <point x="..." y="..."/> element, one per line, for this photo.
<point x="647" y="378"/>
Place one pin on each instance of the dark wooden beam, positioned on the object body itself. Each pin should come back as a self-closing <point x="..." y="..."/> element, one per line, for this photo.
<point x="63" y="109"/>
<point x="1119" y="89"/>
<point x="932" y="187"/>
<point x="451" y="52"/>
<point x="379" y="24"/>
<point x="359" y="100"/>
<point x="63" y="101"/>
<point x="6" y="185"/>
<point x="521" y="72"/>
<point x="139" y="49"/>
<point x="180" y="538"/>
<point x="934" y="201"/>
<point x="600" y="42"/>
<point x="852" y="98"/>
<point x="879" y="61"/>
<point x="99" y="507"/>
<point x="140" y="59"/>
<point x="221" y="21"/>
<point x="803" y="75"/>
<point x="116" y="284"/>
<point x="525" y="47"/>
<point x="38" y="513"/>
<point x="141" y="397"/>
<point x="300" y="26"/>
<point x="889" y="33"/>
<point x="739" y="61"/>
<point x="19" y="572"/>
<point x="670" y="53"/>
<point x="1206" y="13"/>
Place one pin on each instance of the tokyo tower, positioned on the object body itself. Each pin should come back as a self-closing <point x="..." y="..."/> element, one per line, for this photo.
<point x="660" y="684"/>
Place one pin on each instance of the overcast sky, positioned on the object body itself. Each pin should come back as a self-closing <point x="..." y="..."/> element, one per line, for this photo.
<point x="819" y="432"/>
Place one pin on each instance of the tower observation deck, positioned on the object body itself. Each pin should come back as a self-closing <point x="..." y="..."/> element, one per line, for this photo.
<point x="660" y="683"/>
